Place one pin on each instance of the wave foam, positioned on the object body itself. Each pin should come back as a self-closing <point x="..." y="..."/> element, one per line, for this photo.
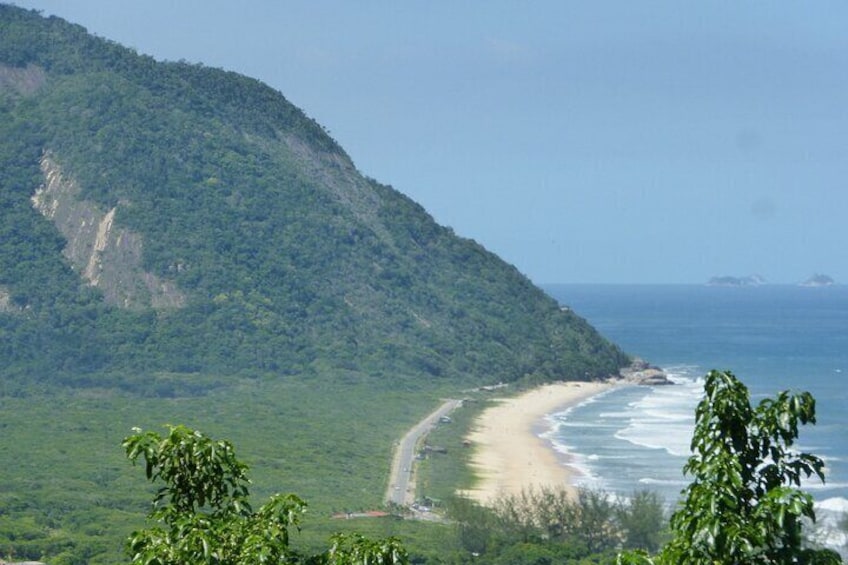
<point x="663" y="482"/>
<point x="836" y="504"/>
<point x="664" y="417"/>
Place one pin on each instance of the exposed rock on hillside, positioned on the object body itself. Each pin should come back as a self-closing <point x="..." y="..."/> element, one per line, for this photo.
<point x="106" y="256"/>
<point x="25" y="81"/>
<point x="5" y="301"/>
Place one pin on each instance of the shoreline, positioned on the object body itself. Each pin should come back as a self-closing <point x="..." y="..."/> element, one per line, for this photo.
<point x="509" y="454"/>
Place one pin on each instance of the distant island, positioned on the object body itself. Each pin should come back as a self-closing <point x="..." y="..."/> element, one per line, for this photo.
<point x="818" y="280"/>
<point x="751" y="280"/>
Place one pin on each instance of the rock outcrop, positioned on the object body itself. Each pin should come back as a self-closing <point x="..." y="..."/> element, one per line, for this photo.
<point x="4" y="300"/>
<point x="642" y="373"/>
<point x="106" y="256"/>
<point x="24" y="81"/>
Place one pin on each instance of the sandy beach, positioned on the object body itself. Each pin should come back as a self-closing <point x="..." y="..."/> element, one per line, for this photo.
<point x="509" y="455"/>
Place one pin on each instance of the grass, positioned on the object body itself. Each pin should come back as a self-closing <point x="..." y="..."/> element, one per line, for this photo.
<point x="441" y="474"/>
<point x="65" y="478"/>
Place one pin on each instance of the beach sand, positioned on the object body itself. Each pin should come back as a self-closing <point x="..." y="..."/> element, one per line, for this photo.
<point x="509" y="456"/>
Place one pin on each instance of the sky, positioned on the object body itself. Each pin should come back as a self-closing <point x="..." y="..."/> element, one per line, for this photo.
<point x="583" y="142"/>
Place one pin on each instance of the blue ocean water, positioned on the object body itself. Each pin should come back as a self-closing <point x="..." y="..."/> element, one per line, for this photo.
<point x="772" y="337"/>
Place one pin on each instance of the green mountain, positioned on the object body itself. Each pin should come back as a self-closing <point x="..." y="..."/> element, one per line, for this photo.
<point x="180" y="244"/>
<point x="172" y="219"/>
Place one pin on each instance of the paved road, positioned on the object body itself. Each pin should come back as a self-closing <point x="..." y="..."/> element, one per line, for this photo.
<point x="401" y="485"/>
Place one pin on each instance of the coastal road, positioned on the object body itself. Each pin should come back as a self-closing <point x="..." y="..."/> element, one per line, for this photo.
<point x="401" y="484"/>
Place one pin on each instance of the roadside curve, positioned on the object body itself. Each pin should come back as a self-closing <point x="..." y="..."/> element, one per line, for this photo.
<point x="401" y="490"/>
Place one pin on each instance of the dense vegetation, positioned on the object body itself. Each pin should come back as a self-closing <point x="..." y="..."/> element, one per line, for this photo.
<point x="310" y="307"/>
<point x="67" y="495"/>
<point x="316" y="307"/>
<point x="290" y="261"/>
<point x="554" y="526"/>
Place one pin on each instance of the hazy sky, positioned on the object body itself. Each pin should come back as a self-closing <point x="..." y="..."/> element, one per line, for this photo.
<point x="614" y="141"/>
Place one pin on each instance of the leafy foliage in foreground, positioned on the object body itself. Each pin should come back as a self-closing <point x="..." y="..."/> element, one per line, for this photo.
<point x="204" y="515"/>
<point x="745" y="504"/>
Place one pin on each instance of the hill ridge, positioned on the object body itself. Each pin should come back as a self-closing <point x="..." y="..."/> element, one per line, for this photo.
<point x="218" y="229"/>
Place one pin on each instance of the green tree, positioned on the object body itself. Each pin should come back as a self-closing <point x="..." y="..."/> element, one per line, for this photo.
<point x="203" y="514"/>
<point x="744" y="504"/>
<point x="475" y="525"/>
<point x="642" y="520"/>
<point x="551" y="523"/>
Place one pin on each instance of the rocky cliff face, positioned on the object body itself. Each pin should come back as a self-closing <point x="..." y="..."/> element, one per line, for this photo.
<point x="5" y="300"/>
<point x="105" y="255"/>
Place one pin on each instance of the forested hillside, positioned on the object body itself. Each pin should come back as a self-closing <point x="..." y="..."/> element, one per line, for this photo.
<point x="172" y="219"/>
<point x="180" y="244"/>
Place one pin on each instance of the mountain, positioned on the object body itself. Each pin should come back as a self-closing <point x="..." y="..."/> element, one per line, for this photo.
<point x="171" y="230"/>
<point x="162" y="219"/>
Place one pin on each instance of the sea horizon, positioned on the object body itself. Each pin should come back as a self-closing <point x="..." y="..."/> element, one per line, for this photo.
<point x="772" y="337"/>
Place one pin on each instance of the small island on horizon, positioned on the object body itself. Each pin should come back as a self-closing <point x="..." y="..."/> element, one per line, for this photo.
<point x="750" y="280"/>
<point x="818" y="280"/>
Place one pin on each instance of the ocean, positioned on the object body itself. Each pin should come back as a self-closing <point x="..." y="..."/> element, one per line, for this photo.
<point x="772" y="337"/>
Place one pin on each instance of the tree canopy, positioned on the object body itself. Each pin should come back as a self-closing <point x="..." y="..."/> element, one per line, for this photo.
<point x="203" y="515"/>
<point x="744" y="504"/>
